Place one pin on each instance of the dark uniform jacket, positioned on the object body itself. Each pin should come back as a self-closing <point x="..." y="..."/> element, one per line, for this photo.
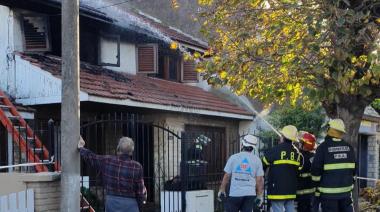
<point x="333" y="168"/>
<point x="284" y="162"/>
<point x="305" y="186"/>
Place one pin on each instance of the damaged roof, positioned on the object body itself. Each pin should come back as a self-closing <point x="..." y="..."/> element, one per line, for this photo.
<point x="128" y="19"/>
<point x="173" y="33"/>
<point x="102" y="82"/>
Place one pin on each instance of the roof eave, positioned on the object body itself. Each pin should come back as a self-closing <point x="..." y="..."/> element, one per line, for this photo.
<point x="371" y="118"/>
<point x="131" y="103"/>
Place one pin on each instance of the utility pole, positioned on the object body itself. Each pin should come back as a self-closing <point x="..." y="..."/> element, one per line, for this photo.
<point x="70" y="179"/>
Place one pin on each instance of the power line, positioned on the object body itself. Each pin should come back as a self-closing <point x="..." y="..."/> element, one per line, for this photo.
<point x="123" y="2"/>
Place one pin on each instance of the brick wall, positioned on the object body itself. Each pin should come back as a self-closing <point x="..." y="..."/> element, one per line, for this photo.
<point x="373" y="158"/>
<point x="46" y="188"/>
<point x="46" y="195"/>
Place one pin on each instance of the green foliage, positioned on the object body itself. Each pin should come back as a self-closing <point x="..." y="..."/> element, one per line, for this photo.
<point x="376" y="105"/>
<point x="291" y="51"/>
<point x="310" y="121"/>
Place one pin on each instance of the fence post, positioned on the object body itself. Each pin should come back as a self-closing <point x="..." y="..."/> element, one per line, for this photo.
<point x="184" y="171"/>
<point x="51" y="138"/>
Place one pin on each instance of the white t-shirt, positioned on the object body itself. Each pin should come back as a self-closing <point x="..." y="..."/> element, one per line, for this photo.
<point x="244" y="167"/>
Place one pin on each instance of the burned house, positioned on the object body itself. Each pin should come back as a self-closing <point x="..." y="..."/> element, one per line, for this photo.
<point x="132" y="83"/>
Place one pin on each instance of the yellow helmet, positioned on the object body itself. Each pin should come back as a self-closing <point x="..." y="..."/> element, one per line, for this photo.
<point x="337" y="124"/>
<point x="290" y="132"/>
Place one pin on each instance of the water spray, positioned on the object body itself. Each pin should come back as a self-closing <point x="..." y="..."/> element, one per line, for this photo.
<point x="266" y="122"/>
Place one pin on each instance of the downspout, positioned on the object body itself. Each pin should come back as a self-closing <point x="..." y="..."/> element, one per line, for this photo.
<point x="10" y="55"/>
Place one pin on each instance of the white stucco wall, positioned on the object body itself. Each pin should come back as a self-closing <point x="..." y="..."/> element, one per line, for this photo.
<point x="10" y="40"/>
<point x="4" y="44"/>
<point x="108" y="51"/>
<point x="31" y="85"/>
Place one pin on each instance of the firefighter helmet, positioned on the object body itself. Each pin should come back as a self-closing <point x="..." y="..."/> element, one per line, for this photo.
<point x="249" y="141"/>
<point x="308" y="140"/>
<point x="337" y="124"/>
<point x="290" y="132"/>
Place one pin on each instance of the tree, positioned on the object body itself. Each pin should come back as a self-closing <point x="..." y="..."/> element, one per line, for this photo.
<point x="310" y="121"/>
<point x="302" y="52"/>
<point x="376" y="105"/>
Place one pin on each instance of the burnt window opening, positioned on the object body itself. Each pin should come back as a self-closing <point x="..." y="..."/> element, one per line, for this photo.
<point x="109" y="50"/>
<point x="36" y="33"/>
<point x="171" y="66"/>
<point x="88" y="51"/>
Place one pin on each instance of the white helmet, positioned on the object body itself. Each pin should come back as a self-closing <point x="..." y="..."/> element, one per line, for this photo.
<point x="249" y="141"/>
<point x="202" y="140"/>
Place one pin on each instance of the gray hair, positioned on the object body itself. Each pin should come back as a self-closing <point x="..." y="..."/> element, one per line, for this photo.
<point x="125" y="146"/>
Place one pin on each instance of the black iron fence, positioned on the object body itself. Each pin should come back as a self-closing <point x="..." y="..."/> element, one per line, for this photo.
<point x="175" y="161"/>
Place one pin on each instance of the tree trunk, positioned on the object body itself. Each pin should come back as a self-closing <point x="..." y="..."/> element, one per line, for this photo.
<point x="352" y="120"/>
<point x="351" y="112"/>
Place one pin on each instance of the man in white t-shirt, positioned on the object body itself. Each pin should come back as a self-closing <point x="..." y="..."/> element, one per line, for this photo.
<point x="245" y="171"/>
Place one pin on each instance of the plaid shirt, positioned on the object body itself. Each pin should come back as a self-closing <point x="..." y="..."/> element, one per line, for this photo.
<point x="121" y="175"/>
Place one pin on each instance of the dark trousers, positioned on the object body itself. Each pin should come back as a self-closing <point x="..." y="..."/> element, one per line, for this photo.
<point x="243" y="204"/>
<point x="337" y="205"/>
<point x="304" y="204"/>
<point x="316" y="204"/>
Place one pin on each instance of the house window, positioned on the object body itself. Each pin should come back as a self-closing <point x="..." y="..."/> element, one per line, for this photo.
<point x="215" y="152"/>
<point x="174" y="67"/>
<point x="147" y="58"/>
<point x="171" y="66"/>
<point x="36" y="33"/>
<point x="188" y="72"/>
<point x="109" y="50"/>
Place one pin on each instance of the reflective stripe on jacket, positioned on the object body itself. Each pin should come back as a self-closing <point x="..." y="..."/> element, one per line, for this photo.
<point x="333" y="168"/>
<point x="305" y="186"/>
<point x="284" y="162"/>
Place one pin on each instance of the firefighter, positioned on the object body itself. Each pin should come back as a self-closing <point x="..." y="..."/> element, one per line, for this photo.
<point x="196" y="164"/>
<point x="284" y="162"/>
<point x="305" y="187"/>
<point x="333" y="170"/>
<point x="245" y="173"/>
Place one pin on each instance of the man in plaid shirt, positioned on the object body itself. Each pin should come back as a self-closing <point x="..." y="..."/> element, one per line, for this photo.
<point x="122" y="176"/>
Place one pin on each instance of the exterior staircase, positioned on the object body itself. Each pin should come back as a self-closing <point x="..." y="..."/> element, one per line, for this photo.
<point x="31" y="148"/>
<point x="85" y="205"/>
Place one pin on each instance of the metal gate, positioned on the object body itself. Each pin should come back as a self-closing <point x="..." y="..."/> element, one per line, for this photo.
<point x="157" y="149"/>
<point x="164" y="155"/>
